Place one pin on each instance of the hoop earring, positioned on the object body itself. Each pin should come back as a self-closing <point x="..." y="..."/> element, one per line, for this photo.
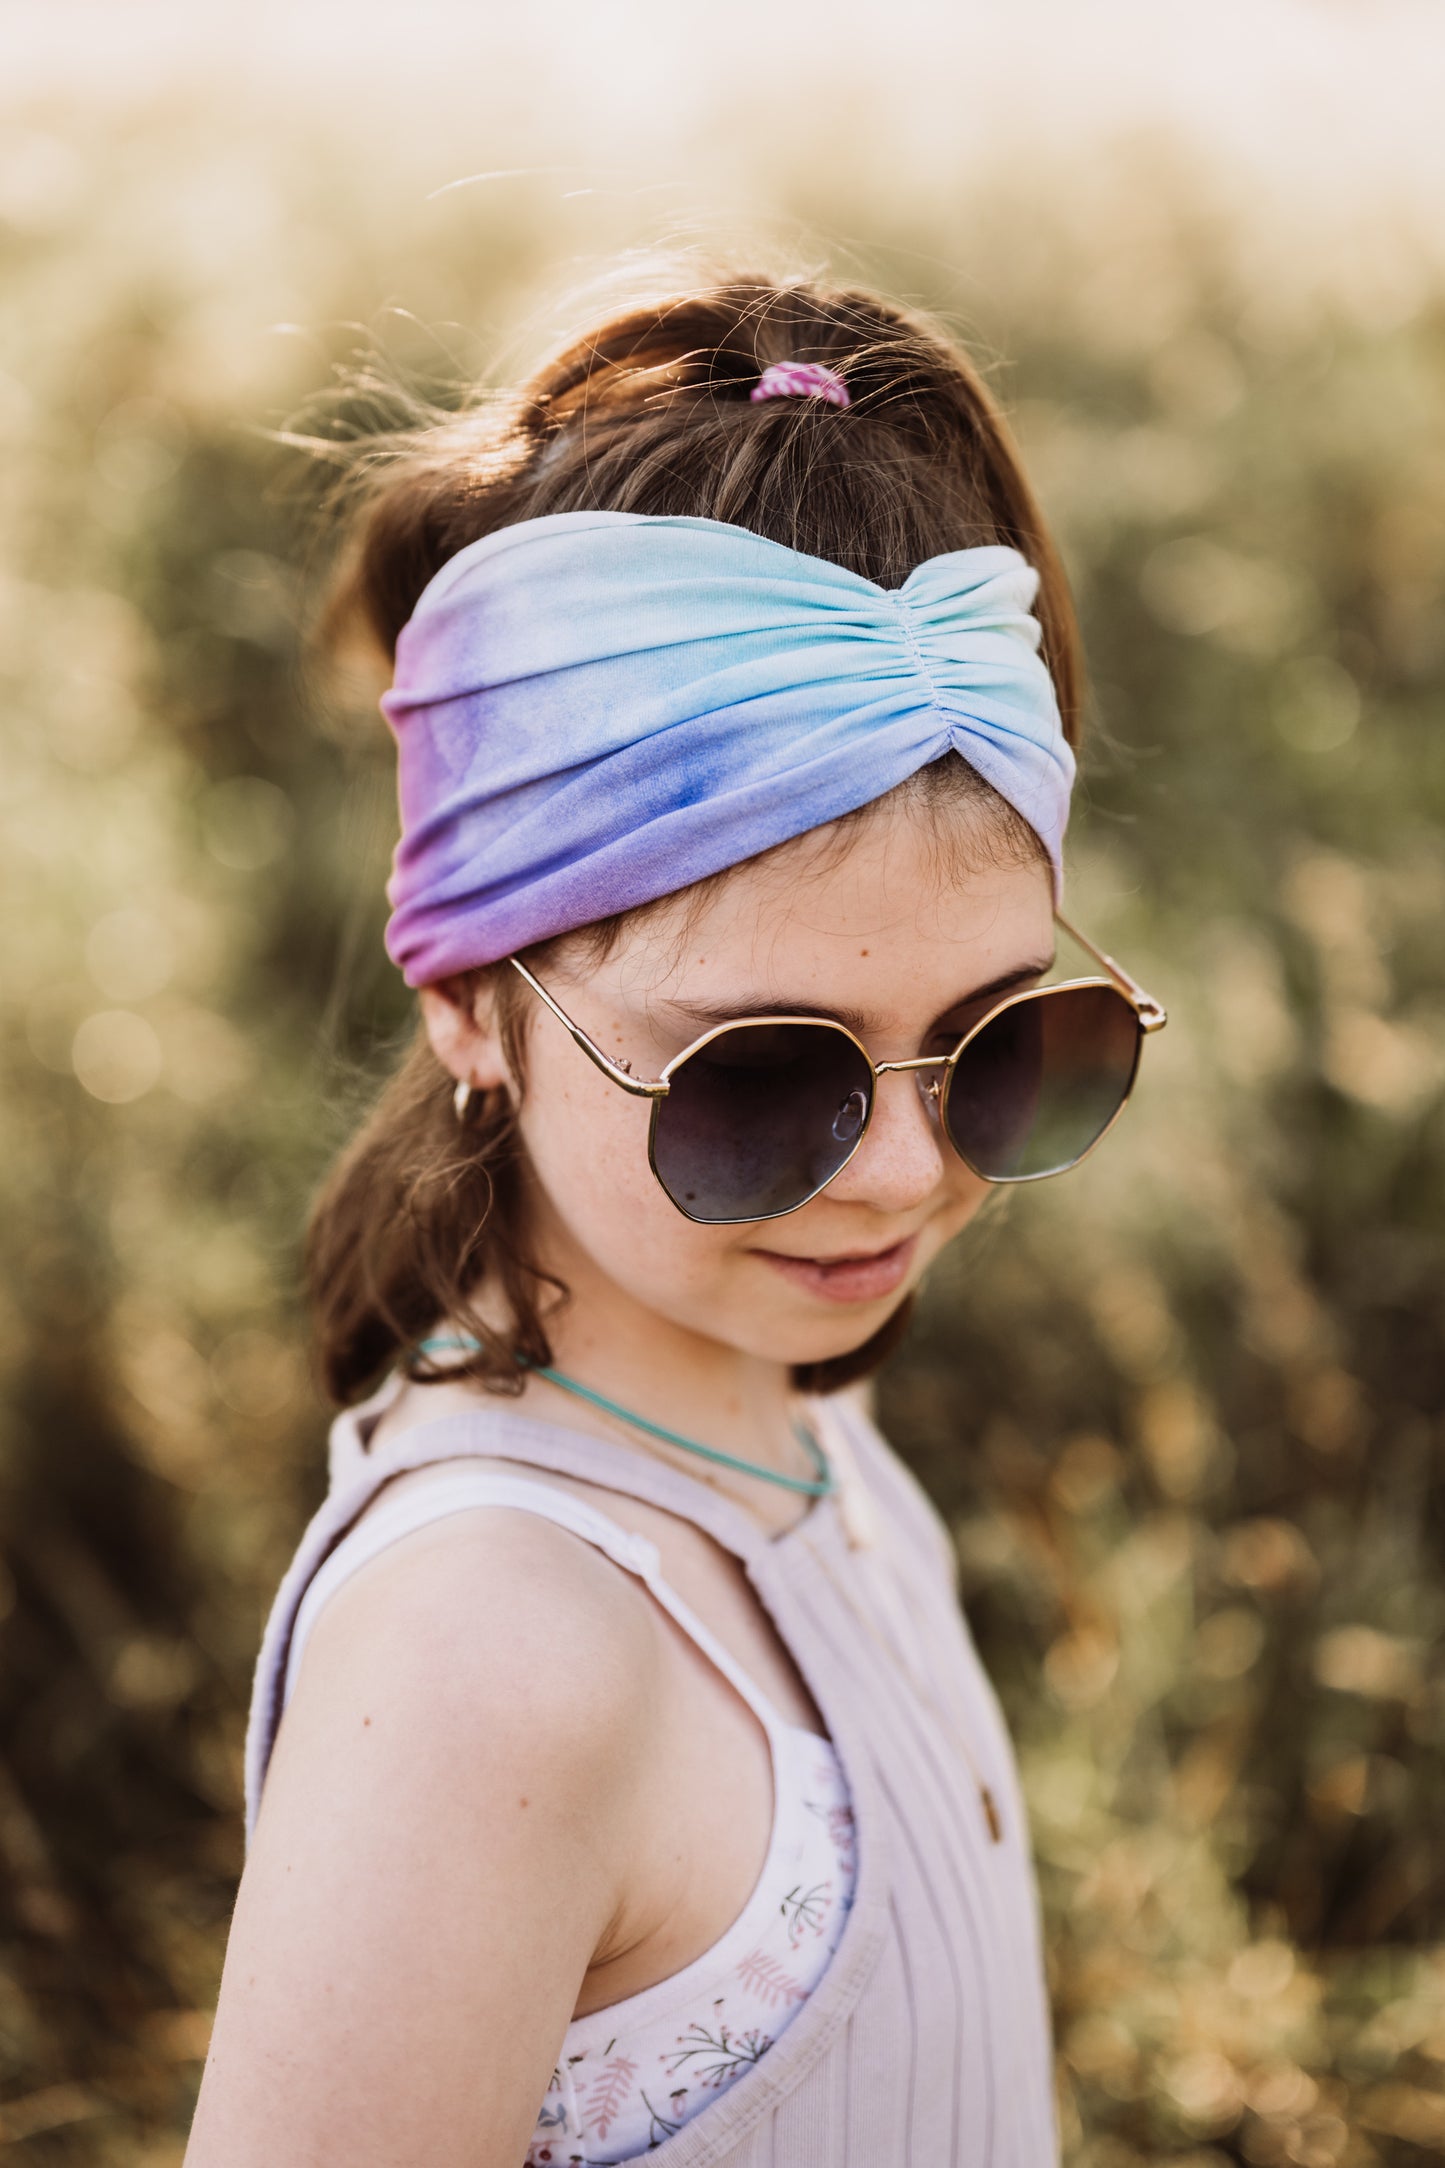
<point x="462" y="1100"/>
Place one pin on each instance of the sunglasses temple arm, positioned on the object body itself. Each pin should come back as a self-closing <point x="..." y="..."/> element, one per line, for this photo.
<point x="1152" y="1015"/>
<point x="611" y="1069"/>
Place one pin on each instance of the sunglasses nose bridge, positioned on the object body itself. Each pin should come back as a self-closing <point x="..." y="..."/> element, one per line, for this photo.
<point x="926" y="1071"/>
<point x="901" y="1161"/>
<point x="931" y="1087"/>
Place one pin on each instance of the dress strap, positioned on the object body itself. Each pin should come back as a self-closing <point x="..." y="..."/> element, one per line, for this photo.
<point x="500" y="1432"/>
<point x="395" y="1514"/>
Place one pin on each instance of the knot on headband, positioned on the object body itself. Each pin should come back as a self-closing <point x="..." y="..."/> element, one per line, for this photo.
<point x="595" y="709"/>
<point x="800" y="380"/>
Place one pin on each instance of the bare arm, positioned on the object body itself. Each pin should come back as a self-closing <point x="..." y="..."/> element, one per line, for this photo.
<point x="446" y="1838"/>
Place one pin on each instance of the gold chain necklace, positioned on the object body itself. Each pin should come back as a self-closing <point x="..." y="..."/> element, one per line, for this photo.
<point x="992" y="1818"/>
<point x="861" y="1529"/>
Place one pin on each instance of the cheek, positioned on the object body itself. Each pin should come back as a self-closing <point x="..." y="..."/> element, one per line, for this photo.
<point x="587" y="1144"/>
<point x="962" y="1196"/>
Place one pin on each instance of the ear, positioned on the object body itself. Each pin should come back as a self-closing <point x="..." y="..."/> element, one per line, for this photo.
<point x="461" y="1023"/>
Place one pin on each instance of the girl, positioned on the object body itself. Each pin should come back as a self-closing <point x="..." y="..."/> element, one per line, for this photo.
<point x="637" y="1789"/>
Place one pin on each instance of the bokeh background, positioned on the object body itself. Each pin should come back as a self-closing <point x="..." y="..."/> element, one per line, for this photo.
<point x="1185" y="1409"/>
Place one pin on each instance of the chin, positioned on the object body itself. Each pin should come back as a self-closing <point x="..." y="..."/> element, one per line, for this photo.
<point x="830" y="1373"/>
<point x="863" y="1339"/>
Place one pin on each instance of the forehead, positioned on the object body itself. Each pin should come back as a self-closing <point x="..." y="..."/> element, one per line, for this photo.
<point x="839" y="917"/>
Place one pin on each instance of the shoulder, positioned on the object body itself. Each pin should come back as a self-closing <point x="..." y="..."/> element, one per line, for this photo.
<point x="496" y="1621"/>
<point x="488" y="1684"/>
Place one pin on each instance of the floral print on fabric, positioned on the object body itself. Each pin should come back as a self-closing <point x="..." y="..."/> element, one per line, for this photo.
<point x="631" y="2075"/>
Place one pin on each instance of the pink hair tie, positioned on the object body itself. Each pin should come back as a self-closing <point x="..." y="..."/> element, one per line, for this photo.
<point x="800" y="380"/>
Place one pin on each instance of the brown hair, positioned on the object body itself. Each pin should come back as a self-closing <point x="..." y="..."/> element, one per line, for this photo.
<point x="649" y="412"/>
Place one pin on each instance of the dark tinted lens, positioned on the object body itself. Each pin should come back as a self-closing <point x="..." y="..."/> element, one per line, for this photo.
<point x="758" y="1119"/>
<point x="1041" y="1082"/>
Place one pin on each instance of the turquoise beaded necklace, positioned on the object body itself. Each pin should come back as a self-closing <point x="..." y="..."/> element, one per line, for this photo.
<point x="823" y="1486"/>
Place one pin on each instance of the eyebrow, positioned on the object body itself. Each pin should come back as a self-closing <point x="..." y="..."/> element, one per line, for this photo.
<point x="856" y="1020"/>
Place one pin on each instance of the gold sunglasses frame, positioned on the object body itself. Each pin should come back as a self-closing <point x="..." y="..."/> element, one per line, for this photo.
<point x="1151" y="1015"/>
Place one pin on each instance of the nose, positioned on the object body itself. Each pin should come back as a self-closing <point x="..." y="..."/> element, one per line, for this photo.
<point x="900" y="1162"/>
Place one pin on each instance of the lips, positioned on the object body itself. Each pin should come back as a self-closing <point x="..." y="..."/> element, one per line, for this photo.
<point x="857" y="1278"/>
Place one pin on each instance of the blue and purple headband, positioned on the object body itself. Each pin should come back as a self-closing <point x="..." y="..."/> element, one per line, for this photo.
<point x="595" y="709"/>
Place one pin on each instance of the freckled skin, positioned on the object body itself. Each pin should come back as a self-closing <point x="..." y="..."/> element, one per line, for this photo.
<point x="881" y="927"/>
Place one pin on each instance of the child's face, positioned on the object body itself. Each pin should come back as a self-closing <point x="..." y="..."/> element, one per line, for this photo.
<point x="880" y="933"/>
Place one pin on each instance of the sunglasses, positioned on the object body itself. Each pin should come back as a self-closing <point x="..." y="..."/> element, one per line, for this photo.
<point x="756" y="1117"/>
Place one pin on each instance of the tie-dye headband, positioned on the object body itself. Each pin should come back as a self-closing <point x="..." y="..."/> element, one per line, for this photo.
<point x="595" y="709"/>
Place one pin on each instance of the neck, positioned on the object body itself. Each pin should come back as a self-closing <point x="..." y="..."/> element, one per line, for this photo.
<point x="674" y="1376"/>
<point x="739" y="1403"/>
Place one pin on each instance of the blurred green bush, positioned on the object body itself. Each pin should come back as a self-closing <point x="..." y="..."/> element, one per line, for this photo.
<point x="1185" y="1409"/>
